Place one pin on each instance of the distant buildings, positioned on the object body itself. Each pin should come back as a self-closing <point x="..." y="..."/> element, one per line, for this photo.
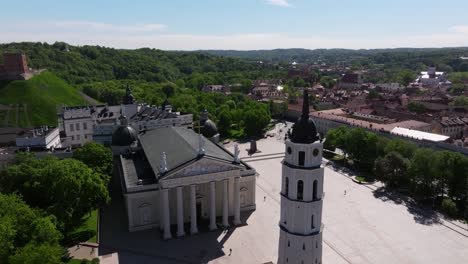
<point x="267" y="89"/>
<point x="225" y="89"/>
<point x="86" y="123"/>
<point x="44" y="138"/>
<point x="350" y="81"/>
<point x="433" y="79"/>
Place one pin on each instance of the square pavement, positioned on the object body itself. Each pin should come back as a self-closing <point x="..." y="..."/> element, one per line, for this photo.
<point x="362" y="226"/>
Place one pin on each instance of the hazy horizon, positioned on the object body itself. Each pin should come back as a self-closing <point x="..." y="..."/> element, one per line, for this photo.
<point x="239" y="25"/>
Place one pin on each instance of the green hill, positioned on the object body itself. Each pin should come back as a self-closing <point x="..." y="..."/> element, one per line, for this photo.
<point x="34" y="102"/>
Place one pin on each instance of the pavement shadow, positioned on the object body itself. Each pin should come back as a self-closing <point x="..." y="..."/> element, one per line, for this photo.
<point x="422" y="214"/>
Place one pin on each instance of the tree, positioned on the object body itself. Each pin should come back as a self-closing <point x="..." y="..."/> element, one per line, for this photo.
<point x="224" y="123"/>
<point x="416" y="107"/>
<point x="422" y="172"/>
<point x="403" y="147"/>
<point x="460" y="101"/>
<point x="37" y="253"/>
<point x="255" y="120"/>
<point x="67" y="188"/>
<point x="391" y="169"/>
<point x="168" y="89"/>
<point x="327" y="82"/>
<point x="361" y="146"/>
<point x="97" y="157"/>
<point x="22" y="229"/>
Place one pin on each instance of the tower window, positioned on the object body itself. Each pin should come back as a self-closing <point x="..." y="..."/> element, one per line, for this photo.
<point x="301" y="158"/>
<point x="286" y="187"/>
<point x="303" y="246"/>
<point x="300" y="190"/>
<point x="312" y="222"/>
<point x="315" y="152"/>
<point x="289" y="244"/>
<point x="315" y="190"/>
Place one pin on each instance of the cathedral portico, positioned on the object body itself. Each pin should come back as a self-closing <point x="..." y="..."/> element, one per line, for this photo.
<point x="198" y="185"/>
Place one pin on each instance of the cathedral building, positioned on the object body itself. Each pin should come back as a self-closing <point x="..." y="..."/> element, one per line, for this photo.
<point x="302" y="194"/>
<point x="173" y="176"/>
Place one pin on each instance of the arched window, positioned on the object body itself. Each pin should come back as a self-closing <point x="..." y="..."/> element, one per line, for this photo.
<point x="286" y="187"/>
<point x="312" y="222"/>
<point x="315" y="190"/>
<point x="300" y="190"/>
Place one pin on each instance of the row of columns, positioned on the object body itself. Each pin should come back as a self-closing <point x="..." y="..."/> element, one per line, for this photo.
<point x="166" y="225"/>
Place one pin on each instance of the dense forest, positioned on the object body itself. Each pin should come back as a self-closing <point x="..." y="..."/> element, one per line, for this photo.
<point x="406" y="56"/>
<point x="84" y="64"/>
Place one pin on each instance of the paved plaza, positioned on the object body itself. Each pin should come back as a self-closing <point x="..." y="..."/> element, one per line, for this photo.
<point x="363" y="225"/>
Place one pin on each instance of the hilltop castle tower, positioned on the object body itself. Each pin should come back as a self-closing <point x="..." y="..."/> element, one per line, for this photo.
<point x="301" y="194"/>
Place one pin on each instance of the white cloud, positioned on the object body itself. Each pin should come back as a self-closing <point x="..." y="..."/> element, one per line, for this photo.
<point x="279" y="2"/>
<point x="91" y="33"/>
<point x="460" y="29"/>
<point x="86" y="26"/>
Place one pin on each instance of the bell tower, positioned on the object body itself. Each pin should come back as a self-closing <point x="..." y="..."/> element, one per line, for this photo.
<point x="301" y="194"/>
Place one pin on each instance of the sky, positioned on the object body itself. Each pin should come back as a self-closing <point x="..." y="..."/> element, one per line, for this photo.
<point x="238" y="24"/>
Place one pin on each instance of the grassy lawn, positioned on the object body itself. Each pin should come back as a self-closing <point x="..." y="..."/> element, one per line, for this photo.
<point x="42" y="94"/>
<point x="87" y="231"/>
<point x="361" y="179"/>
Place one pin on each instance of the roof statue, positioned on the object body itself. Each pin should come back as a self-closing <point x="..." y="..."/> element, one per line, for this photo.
<point x="201" y="145"/>
<point x="304" y="130"/>
<point x="163" y="165"/>
<point x="236" y="153"/>
<point x="128" y="98"/>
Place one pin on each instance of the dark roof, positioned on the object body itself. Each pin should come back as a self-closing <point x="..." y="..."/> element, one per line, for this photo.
<point x="180" y="145"/>
<point x="350" y="78"/>
<point x="124" y="136"/>
<point x="304" y="130"/>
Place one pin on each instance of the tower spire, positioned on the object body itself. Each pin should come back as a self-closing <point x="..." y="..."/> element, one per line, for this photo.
<point x="305" y="106"/>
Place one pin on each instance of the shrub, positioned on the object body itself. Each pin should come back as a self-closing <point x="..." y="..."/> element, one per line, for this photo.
<point x="449" y="207"/>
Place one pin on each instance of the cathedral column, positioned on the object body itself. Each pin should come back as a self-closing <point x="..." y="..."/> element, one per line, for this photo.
<point x="166" y="214"/>
<point x="225" y="203"/>
<point x="212" y="205"/>
<point x="237" y="220"/>
<point x="180" y="212"/>
<point x="193" y="210"/>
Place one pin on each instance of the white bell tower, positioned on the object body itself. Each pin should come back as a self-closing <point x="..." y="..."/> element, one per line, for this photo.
<point x="300" y="223"/>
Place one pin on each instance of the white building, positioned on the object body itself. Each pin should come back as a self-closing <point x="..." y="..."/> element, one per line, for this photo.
<point x="43" y="137"/>
<point x="433" y="79"/>
<point x="390" y="87"/>
<point x="172" y="176"/>
<point x="97" y="123"/>
<point x="302" y="194"/>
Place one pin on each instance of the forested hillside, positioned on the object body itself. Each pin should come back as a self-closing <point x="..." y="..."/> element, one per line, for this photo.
<point x="406" y="57"/>
<point x="93" y="63"/>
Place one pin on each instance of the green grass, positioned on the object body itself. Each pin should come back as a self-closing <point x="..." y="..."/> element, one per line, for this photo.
<point x="87" y="231"/>
<point x="41" y="95"/>
<point x="361" y="179"/>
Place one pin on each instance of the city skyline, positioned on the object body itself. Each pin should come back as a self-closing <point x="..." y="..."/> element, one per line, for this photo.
<point x="240" y="25"/>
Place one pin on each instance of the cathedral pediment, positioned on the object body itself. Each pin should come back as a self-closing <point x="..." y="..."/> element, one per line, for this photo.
<point x="203" y="166"/>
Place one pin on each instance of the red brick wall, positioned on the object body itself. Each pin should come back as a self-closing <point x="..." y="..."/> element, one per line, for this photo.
<point x="15" y="63"/>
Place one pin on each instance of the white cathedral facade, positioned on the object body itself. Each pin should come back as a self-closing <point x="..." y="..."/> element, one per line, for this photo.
<point x="302" y="194"/>
<point x="179" y="181"/>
